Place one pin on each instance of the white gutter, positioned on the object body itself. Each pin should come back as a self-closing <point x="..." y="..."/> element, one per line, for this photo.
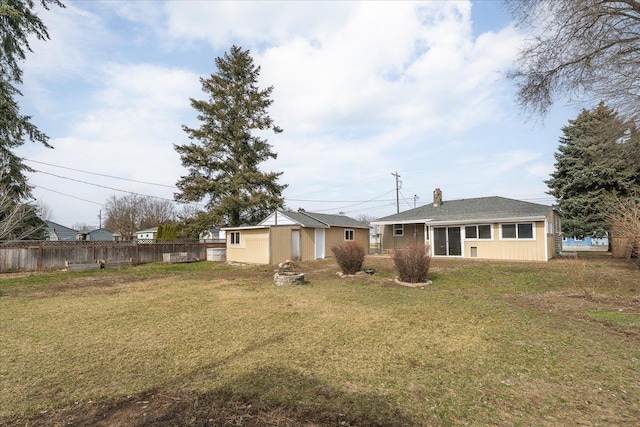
<point x="248" y="227"/>
<point x="430" y="221"/>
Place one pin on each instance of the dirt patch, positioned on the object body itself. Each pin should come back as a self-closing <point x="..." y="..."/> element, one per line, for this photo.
<point x="577" y="306"/>
<point x="172" y="408"/>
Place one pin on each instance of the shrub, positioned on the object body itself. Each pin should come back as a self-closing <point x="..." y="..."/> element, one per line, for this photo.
<point x="350" y="257"/>
<point x="412" y="262"/>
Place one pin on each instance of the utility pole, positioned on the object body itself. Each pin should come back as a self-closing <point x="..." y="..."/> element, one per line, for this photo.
<point x="415" y="197"/>
<point x="397" y="192"/>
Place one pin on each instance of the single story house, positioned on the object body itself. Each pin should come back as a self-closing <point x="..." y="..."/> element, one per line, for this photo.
<point x="298" y="236"/>
<point x="484" y="227"/>
<point x="101" y="234"/>
<point x="585" y="243"/>
<point x="212" y="235"/>
<point x="146" y="234"/>
<point x="60" y="232"/>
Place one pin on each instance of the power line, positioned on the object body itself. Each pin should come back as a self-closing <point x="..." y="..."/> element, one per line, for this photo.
<point x="355" y="204"/>
<point x="100" y="174"/>
<point x="111" y="188"/>
<point x="68" y="195"/>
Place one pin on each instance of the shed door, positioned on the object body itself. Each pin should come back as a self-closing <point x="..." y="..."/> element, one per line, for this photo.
<point x="295" y="245"/>
<point x="320" y="243"/>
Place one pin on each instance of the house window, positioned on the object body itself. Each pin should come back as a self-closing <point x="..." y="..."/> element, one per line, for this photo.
<point x="478" y="231"/>
<point x="517" y="231"/>
<point x="235" y="237"/>
<point x="398" y="229"/>
<point x="348" y="235"/>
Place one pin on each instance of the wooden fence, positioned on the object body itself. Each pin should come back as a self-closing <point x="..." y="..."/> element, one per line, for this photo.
<point x="22" y="256"/>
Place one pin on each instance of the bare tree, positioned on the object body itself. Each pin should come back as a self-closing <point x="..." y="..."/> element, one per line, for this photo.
<point x="130" y="213"/>
<point x="586" y="51"/>
<point x="157" y="211"/>
<point x="122" y="215"/>
<point x="82" y="226"/>
<point x="624" y="216"/>
<point x="44" y="211"/>
<point x="367" y="219"/>
<point x="12" y="219"/>
<point x="18" y="221"/>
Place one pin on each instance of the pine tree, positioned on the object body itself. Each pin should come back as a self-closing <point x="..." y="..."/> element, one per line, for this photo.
<point x="597" y="157"/>
<point x="18" y="22"/>
<point x="223" y="159"/>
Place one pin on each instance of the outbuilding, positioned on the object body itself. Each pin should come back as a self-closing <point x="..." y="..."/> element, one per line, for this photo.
<point x="289" y="235"/>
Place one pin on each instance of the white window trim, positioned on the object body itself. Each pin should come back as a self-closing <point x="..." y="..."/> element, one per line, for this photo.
<point x="478" y="239"/>
<point x="401" y="230"/>
<point x="519" y="239"/>
<point x="353" y="234"/>
<point x="231" y="242"/>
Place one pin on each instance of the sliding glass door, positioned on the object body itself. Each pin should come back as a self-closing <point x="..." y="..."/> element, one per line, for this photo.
<point x="447" y="241"/>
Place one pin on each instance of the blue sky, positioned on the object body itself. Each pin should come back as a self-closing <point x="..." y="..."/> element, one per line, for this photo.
<point x="361" y="89"/>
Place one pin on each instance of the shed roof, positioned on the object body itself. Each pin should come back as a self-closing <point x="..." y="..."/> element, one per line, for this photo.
<point x="310" y="220"/>
<point x="336" y="220"/>
<point x="467" y="210"/>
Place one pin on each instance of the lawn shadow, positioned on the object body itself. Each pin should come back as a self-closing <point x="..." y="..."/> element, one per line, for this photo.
<point x="276" y="395"/>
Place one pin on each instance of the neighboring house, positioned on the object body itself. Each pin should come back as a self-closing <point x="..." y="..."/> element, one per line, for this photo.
<point x="148" y="234"/>
<point x="485" y="227"/>
<point x="98" y="234"/>
<point x="60" y="232"/>
<point x="214" y="234"/>
<point x="587" y="243"/>
<point x="298" y="235"/>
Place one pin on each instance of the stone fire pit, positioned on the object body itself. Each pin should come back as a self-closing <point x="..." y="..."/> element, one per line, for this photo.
<point x="288" y="278"/>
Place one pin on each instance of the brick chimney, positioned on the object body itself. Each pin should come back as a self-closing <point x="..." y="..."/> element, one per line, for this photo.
<point x="437" y="197"/>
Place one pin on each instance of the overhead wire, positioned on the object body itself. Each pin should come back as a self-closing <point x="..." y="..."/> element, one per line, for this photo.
<point x="101" y="174"/>
<point x="355" y="202"/>
<point x="68" y="195"/>
<point x="339" y="208"/>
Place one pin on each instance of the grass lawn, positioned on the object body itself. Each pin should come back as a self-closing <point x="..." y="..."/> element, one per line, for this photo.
<point x="488" y="343"/>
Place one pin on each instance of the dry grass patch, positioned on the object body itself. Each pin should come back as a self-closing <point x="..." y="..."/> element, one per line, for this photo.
<point x="208" y="343"/>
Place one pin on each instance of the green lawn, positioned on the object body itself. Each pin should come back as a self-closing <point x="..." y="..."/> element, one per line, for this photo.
<point x="212" y="344"/>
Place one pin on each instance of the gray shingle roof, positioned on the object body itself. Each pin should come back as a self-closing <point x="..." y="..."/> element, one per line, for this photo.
<point x="304" y="220"/>
<point x="63" y="233"/>
<point x="319" y="220"/>
<point x="478" y="209"/>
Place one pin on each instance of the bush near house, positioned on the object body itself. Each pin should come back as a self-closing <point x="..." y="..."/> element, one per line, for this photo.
<point x="350" y="257"/>
<point x="412" y="262"/>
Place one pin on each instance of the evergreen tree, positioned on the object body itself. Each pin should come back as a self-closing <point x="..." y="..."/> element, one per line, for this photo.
<point x="597" y="157"/>
<point x="223" y="159"/>
<point x="18" y="22"/>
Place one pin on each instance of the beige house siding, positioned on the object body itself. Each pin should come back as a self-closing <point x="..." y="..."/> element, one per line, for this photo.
<point x="253" y="247"/>
<point x="515" y="250"/>
<point x="281" y="243"/>
<point x="271" y="244"/>
<point x="335" y="236"/>
<point x="506" y="249"/>
<point x="411" y="233"/>
<point x="307" y="244"/>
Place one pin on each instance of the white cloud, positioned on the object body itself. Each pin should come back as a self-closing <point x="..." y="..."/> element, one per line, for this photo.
<point x="361" y="89"/>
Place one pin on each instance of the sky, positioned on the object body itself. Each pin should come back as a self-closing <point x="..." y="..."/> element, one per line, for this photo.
<point x="362" y="90"/>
